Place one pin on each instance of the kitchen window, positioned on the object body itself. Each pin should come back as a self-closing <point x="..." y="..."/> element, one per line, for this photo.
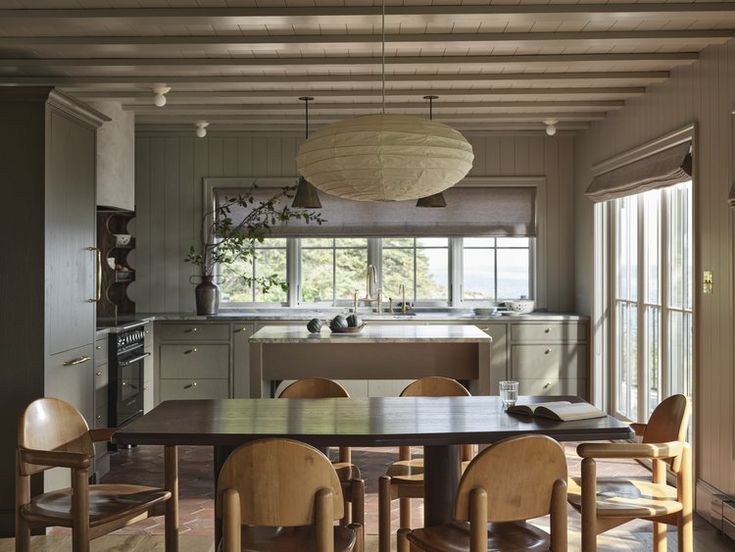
<point x="421" y="264"/>
<point x="652" y="298"/>
<point x="496" y="269"/>
<point x="332" y="268"/>
<point x="327" y="271"/>
<point x="269" y="259"/>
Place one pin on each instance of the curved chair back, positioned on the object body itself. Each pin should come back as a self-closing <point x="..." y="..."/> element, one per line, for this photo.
<point x="314" y="388"/>
<point x="49" y="424"/>
<point x="435" y="386"/>
<point x="669" y="421"/>
<point x="279" y="481"/>
<point x="522" y="477"/>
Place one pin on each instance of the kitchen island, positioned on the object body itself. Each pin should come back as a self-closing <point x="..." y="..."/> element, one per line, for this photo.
<point x="379" y="351"/>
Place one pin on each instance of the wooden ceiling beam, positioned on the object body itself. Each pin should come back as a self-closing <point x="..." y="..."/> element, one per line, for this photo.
<point x="134" y="97"/>
<point x="326" y="40"/>
<point x="341" y="15"/>
<point x="326" y="78"/>
<point x="348" y="61"/>
<point x="164" y="116"/>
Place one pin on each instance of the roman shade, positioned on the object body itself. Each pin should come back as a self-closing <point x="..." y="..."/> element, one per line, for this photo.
<point x="659" y="170"/>
<point x="470" y="211"/>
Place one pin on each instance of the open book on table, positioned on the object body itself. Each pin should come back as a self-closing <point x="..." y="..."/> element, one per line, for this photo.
<point x="563" y="411"/>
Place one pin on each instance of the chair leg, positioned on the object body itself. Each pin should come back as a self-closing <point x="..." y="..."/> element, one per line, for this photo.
<point x="659" y="537"/>
<point x="404" y="508"/>
<point x="404" y="543"/>
<point x="171" y="477"/>
<point x="80" y="511"/>
<point x="685" y="525"/>
<point x="22" y="529"/>
<point x="384" y="500"/>
<point x="589" y="505"/>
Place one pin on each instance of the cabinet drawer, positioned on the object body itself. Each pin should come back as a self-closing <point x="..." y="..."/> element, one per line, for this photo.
<point x="194" y="331"/>
<point x="575" y="387"/>
<point x="69" y="378"/>
<point x="100" y="351"/>
<point x="101" y="385"/>
<point x="195" y="361"/>
<point x="176" y="389"/>
<point x="549" y="361"/>
<point x="100" y="420"/>
<point x="548" y="332"/>
<point x="148" y="337"/>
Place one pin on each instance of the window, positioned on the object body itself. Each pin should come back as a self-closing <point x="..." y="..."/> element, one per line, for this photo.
<point x="652" y="298"/>
<point x="268" y="259"/>
<point x="421" y="264"/>
<point x="331" y="269"/>
<point x="327" y="271"/>
<point x="496" y="269"/>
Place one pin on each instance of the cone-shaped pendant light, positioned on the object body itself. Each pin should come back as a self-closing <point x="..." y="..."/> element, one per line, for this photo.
<point x="306" y="195"/>
<point x="434" y="200"/>
<point x="385" y="157"/>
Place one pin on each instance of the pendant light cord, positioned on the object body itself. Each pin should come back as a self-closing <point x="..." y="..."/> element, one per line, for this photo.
<point x="382" y="52"/>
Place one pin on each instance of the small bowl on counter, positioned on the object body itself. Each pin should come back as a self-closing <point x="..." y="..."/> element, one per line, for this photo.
<point x="520" y="307"/>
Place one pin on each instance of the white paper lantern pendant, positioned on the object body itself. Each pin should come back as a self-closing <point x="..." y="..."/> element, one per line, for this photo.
<point x="385" y="157"/>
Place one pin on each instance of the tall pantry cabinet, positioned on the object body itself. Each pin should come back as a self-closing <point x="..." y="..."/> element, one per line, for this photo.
<point x="48" y="277"/>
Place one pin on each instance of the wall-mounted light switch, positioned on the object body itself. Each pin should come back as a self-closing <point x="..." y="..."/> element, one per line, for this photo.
<point x="707" y="281"/>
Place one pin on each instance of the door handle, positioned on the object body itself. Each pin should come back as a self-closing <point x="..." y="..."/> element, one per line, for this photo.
<point x="134" y="360"/>
<point x="77" y="361"/>
<point x="98" y="285"/>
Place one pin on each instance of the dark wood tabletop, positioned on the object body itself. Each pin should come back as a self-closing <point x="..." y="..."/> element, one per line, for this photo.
<point x="378" y="421"/>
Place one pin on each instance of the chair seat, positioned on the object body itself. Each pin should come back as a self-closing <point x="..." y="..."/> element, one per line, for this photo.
<point x="106" y="503"/>
<point x="291" y="539"/>
<point x="619" y="497"/>
<point x="505" y="537"/>
<point x="346" y="471"/>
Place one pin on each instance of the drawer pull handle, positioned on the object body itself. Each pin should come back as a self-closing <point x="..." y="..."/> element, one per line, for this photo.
<point x="145" y="388"/>
<point x="547" y="330"/>
<point x="547" y="351"/>
<point x="98" y="372"/>
<point x="191" y="330"/>
<point x="194" y="384"/>
<point x="76" y="361"/>
<point x="189" y="351"/>
<point x="98" y="347"/>
<point x="99" y="418"/>
<point x="240" y="330"/>
<point x="548" y="384"/>
<point x="485" y="329"/>
<point x="146" y="332"/>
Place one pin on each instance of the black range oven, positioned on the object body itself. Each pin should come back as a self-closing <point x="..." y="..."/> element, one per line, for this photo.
<point x="126" y="360"/>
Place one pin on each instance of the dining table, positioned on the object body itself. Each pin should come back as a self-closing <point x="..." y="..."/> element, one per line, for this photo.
<point x="438" y="424"/>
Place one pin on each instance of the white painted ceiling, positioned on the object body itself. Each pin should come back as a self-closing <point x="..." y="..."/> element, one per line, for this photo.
<point x="243" y="64"/>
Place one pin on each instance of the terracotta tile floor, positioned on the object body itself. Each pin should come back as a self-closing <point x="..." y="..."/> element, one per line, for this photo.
<point x="144" y="465"/>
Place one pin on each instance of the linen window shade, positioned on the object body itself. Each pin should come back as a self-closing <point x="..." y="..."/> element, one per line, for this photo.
<point x="470" y="211"/>
<point x="660" y="170"/>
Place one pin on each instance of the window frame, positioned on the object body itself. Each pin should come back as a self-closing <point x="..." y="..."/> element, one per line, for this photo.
<point x="642" y="303"/>
<point x="293" y="265"/>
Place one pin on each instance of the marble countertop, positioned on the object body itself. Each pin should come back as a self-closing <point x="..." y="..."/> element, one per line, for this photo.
<point x="299" y="315"/>
<point x="374" y="333"/>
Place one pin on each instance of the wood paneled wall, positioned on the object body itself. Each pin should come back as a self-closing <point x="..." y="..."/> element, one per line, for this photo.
<point x="170" y="168"/>
<point x="703" y="93"/>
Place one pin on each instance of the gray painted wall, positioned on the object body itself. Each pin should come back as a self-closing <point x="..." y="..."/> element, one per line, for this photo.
<point x="170" y="168"/>
<point x="116" y="157"/>
<point x="703" y="93"/>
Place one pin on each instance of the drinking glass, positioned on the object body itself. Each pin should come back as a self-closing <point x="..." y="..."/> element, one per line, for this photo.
<point x="508" y="393"/>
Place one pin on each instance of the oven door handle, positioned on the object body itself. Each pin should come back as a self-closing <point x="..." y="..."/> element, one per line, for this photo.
<point x="134" y="360"/>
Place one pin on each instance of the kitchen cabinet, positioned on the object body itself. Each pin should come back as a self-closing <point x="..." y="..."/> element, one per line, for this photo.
<point x="149" y="368"/>
<point x="48" y="167"/>
<point x="193" y="360"/>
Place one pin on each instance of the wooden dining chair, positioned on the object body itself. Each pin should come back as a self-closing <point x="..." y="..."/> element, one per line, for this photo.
<point x="404" y="479"/>
<point x="606" y="503"/>
<point x="52" y="433"/>
<point x="353" y="494"/>
<point x="281" y="495"/>
<point x="512" y="481"/>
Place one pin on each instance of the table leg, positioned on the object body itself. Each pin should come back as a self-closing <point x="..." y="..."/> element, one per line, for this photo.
<point x="221" y="453"/>
<point x="171" y="477"/>
<point x="441" y="479"/>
